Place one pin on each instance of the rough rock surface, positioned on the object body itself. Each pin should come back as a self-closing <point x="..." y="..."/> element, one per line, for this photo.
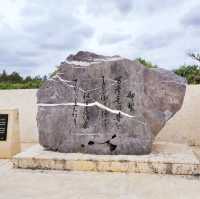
<point x="106" y="105"/>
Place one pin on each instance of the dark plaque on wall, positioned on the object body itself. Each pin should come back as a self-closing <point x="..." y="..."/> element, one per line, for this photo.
<point x="3" y="126"/>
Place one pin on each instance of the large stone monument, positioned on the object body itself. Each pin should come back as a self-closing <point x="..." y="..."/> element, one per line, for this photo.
<point x="106" y="105"/>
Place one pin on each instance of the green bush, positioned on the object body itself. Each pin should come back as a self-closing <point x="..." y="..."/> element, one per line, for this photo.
<point x="15" y="81"/>
<point x="190" y="72"/>
<point x="28" y="85"/>
<point x="146" y="63"/>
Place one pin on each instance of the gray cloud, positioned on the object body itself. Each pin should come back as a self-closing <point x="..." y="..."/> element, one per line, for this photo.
<point x="12" y="43"/>
<point x="104" y="6"/>
<point x="46" y="30"/>
<point x="36" y="35"/>
<point x="124" y="6"/>
<point x="54" y="34"/>
<point x="58" y="30"/>
<point x="192" y="18"/>
<point x="152" y="6"/>
<point x="114" y="38"/>
<point x="155" y="41"/>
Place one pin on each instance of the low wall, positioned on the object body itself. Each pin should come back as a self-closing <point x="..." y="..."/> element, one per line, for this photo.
<point x="25" y="101"/>
<point x="184" y="127"/>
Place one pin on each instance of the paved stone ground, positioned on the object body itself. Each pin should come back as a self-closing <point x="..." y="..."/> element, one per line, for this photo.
<point x="34" y="184"/>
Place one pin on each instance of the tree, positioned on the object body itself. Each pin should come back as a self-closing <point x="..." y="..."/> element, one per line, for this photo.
<point x="3" y="76"/>
<point x="148" y="64"/>
<point x="195" y="56"/>
<point x="190" y="72"/>
<point x="37" y="78"/>
<point x="28" y="79"/>
<point x="15" y="78"/>
<point x="15" y="81"/>
<point x="44" y="78"/>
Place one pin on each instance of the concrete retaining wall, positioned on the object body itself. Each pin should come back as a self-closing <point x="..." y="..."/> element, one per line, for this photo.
<point x="184" y="127"/>
<point x="25" y="101"/>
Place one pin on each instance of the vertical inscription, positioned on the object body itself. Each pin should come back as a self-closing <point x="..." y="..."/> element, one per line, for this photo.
<point x="118" y="98"/>
<point x="86" y="117"/>
<point x="118" y="92"/>
<point x="131" y="103"/>
<point x="74" y="113"/>
<point x="104" y="113"/>
<point x="3" y="126"/>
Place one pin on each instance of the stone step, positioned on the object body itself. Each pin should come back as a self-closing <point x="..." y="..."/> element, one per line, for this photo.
<point x="166" y="158"/>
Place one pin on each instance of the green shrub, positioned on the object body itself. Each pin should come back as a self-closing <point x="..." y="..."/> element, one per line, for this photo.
<point x="146" y="63"/>
<point x="15" y="81"/>
<point x="190" y="72"/>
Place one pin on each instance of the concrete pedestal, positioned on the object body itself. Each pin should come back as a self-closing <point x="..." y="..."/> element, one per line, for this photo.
<point x="166" y="158"/>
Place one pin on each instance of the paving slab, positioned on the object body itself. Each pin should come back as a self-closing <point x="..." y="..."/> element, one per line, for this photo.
<point x="5" y="164"/>
<point x="54" y="184"/>
<point x="166" y="158"/>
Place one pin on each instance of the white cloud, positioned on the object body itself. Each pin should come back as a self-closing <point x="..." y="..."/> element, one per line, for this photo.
<point x="37" y="35"/>
<point x="114" y="38"/>
<point x="192" y="18"/>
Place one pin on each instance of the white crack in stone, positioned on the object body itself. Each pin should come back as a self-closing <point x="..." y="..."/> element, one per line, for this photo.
<point x="96" y="61"/>
<point x="101" y="106"/>
<point x="84" y="91"/>
<point x="66" y="82"/>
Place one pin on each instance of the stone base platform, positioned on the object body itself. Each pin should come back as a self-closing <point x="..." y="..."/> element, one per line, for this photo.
<point x="166" y="158"/>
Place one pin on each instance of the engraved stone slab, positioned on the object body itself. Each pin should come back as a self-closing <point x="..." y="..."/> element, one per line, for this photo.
<point x="106" y="105"/>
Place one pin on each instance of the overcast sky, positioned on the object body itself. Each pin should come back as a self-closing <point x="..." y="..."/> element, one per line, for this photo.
<point x="37" y="35"/>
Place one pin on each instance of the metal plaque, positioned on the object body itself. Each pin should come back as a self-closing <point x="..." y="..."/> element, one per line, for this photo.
<point x="3" y="126"/>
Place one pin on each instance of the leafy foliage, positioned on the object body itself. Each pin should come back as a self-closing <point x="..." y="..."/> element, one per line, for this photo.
<point x="190" y="72"/>
<point x="15" y="81"/>
<point x="146" y="63"/>
<point x="195" y="56"/>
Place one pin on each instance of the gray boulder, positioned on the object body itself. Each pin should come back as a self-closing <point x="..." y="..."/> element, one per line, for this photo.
<point x="106" y="105"/>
